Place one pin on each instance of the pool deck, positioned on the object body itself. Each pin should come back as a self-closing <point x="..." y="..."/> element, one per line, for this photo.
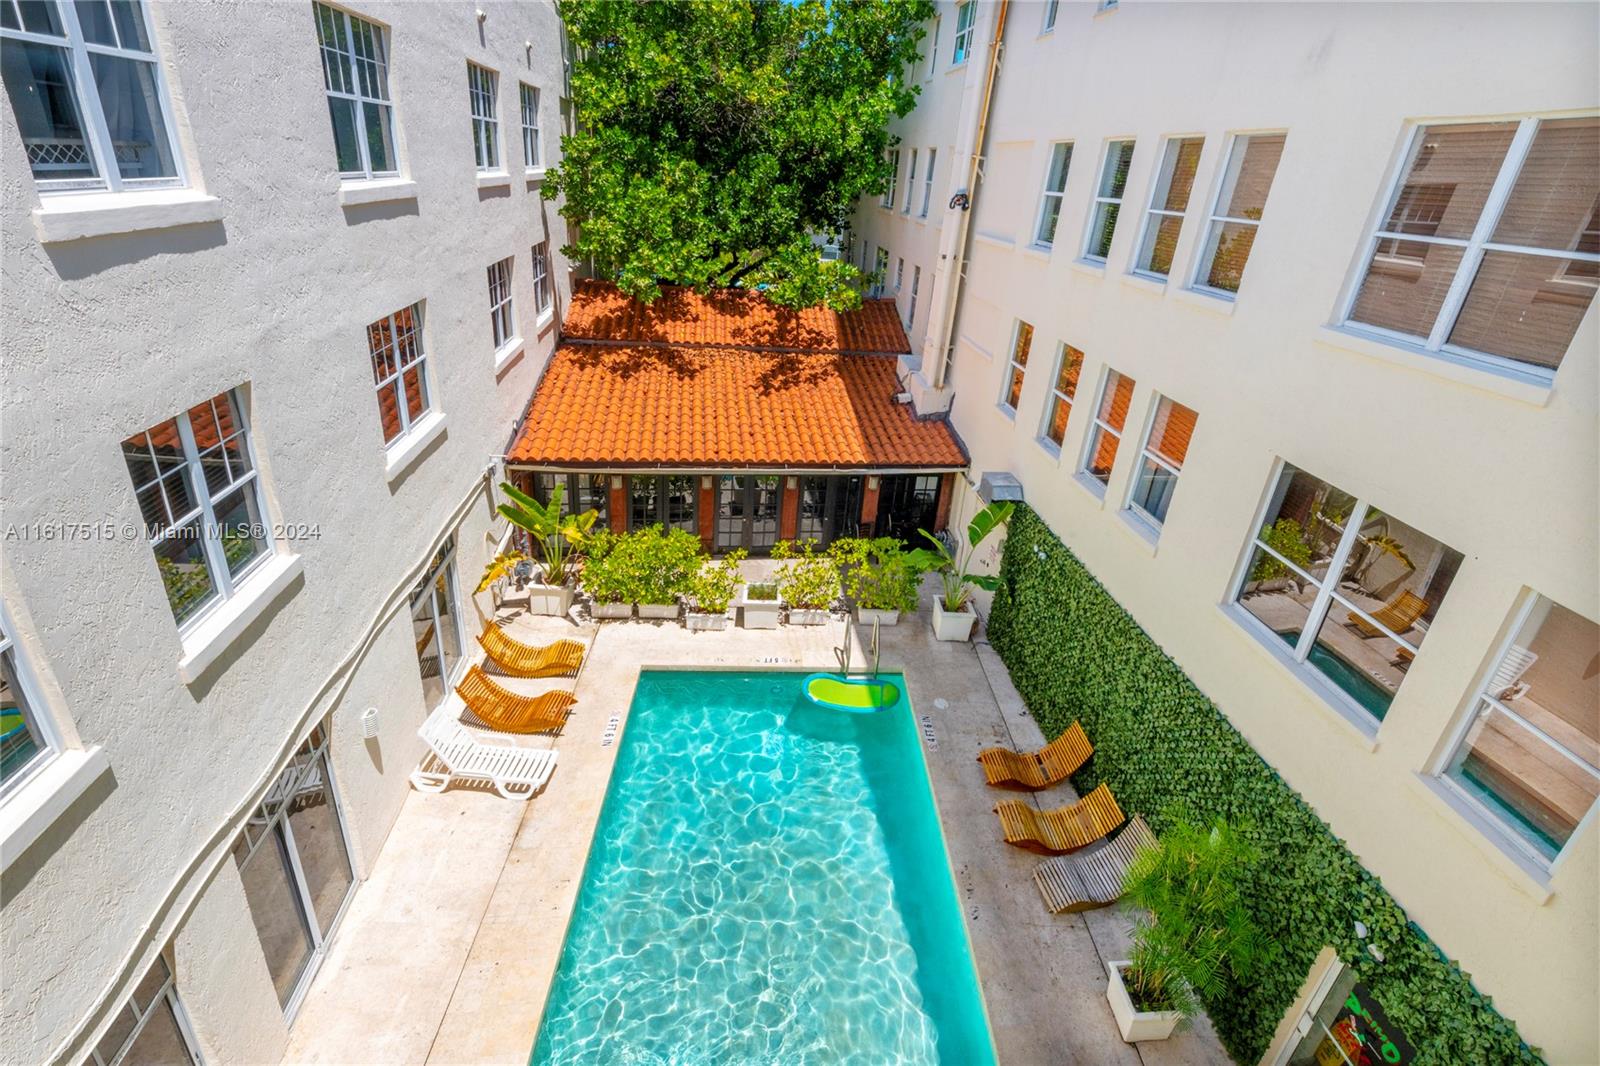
<point x="448" y="950"/>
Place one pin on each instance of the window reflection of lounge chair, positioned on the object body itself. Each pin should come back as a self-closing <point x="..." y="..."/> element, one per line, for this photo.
<point x="1398" y="615"/>
<point x="1506" y="682"/>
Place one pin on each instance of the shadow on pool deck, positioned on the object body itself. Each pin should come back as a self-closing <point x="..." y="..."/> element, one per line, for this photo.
<point x="447" y="952"/>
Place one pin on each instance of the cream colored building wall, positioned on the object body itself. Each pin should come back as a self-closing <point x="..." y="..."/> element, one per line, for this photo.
<point x="1508" y="482"/>
<point x="107" y="336"/>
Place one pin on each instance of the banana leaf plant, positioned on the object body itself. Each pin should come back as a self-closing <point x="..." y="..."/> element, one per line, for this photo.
<point x="559" y="537"/>
<point x="955" y="568"/>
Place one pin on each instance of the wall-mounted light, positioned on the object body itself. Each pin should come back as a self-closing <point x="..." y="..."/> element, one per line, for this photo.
<point x="369" y="723"/>
<point x="481" y="13"/>
<point x="616" y="482"/>
<point x="794" y="482"/>
<point x="705" y="482"/>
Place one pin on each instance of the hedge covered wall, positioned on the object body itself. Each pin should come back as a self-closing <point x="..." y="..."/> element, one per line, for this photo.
<point x="1165" y="749"/>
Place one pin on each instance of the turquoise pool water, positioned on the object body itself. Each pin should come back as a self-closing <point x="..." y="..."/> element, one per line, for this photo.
<point x="768" y="884"/>
<point x="1361" y="688"/>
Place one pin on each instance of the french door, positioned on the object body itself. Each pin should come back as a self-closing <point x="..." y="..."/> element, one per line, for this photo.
<point x="830" y="508"/>
<point x="436" y="625"/>
<point x="907" y="503"/>
<point x="747" y="512"/>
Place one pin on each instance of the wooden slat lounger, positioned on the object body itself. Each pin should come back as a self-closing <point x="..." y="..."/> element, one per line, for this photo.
<point x="1092" y="879"/>
<point x="1399" y="615"/>
<point x="507" y="712"/>
<point x="1051" y="764"/>
<point x="1063" y="829"/>
<point x="560" y="659"/>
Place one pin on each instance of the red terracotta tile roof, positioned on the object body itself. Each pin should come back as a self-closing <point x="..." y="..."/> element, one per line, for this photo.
<point x="606" y="406"/>
<point x="737" y="317"/>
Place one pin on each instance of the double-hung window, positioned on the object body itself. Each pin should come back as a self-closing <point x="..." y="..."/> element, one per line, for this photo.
<point x="1166" y="445"/>
<point x="1111" y="414"/>
<point x="482" y="85"/>
<point x="541" y="278"/>
<point x="1051" y="9"/>
<point x="1016" y="367"/>
<point x="151" y="1027"/>
<point x="927" y="181"/>
<point x="880" y="271"/>
<point x="1069" y="365"/>
<point x="1241" y="197"/>
<point x="399" y="370"/>
<point x="1490" y="247"/>
<point x="933" y="49"/>
<point x="1528" y="753"/>
<point x="1108" y="199"/>
<point x="916" y="283"/>
<point x="911" y="184"/>
<point x="355" y="75"/>
<point x="1169" y="199"/>
<point x="200" y="494"/>
<point x="899" y="272"/>
<point x="894" y="179"/>
<point x="966" y="16"/>
<point x="530" y="126"/>
<point x="502" y="320"/>
<point x="27" y="734"/>
<point x="1055" y="187"/>
<point x="1346" y="590"/>
<point x="88" y="94"/>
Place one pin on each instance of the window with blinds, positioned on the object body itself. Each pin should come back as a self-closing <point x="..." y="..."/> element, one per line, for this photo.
<point x="1241" y="198"/>
<point x="1111" y="414"/>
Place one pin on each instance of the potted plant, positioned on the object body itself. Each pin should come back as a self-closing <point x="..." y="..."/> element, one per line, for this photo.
<point x="759" y="604"/>
<point x="1196" y="933"/>
<point x="711" y="592"/>
<point x="953" y="616"/>
<point x="605" y="576"/>
<point x="879" y="577"/>
<point x="660" y="564"/>
<point x="807" y="580"/>
<point x="558" y="537"/>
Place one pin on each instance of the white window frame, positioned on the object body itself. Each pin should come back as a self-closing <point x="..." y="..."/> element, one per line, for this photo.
<point x="502" y="302"/>
<point x="37" y="719"/>
<point x="532" y="147"/>
<point x="1436" y="342"/>
<point x="543" y="300"/>
<point x="1057" y="396"/>
<point x="899" y="273"/>
<point x="1482" y="701"/>
<point x="933" y="51"/>
<point x="911" y="184"/>
<point x="1097" y="425"/>
<point x="1146" y="451"/>
<point x="880" y="265"/>
<point x="887" y="202"/>
<point x="397" y="379"/>
<point x="1238" y="143"/>
<point x="1098" y="201"/>
<point x="1051" y="10"/>
<point x="1046" y="194"/>
<point x="167" y="993"/>
<point x="380" y="39"/>
<point x="916" y="283"/>
<point x="1169" y="147"/>
<point x="86" y="96"/>
<point x="961" y="50"/>
<point x="1014" y="368"/>
<point x="927" y="182"/>
<point x="483" y="86"/>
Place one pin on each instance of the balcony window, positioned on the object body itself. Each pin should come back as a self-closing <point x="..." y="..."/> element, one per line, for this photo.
<point x="1490" y="247"/>
<point x="1055" y="187"/>
<point x="482" y="84"/>
<point x="1161" y="461"/>
<point x="966" y="16"/>
<point x="531" y="159"/>
<point x="1016" y="367"/>
<point x="1116" y="395"/>
<point x="117" y="137"/>
<point x="1108" y="199"/>
<point x="399" y="370"/>
<point x="1348" y="590"/>
<point x="1069" y="364"/>
<point x="355" y="75"/>
<point x="1168" y="201"/>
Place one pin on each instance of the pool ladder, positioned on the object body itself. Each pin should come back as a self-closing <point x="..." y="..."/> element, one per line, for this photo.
<point x="842" y="652"/>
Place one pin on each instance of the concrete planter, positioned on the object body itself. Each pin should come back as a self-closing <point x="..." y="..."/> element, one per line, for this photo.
<point x="807" y="616"/>
<point x="663" y="611"/>
<point x="611" y="610"/>
<point x="1136" y="1024"/>
<point x="550" y="599"/>
<point x="866" y="616"/>
<point x="759" y="614"/>
<point x="697" y="621"/>
<point x="953" y="625"/>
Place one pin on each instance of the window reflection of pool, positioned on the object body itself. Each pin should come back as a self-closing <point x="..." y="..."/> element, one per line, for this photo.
<point x="1371" y="695"/>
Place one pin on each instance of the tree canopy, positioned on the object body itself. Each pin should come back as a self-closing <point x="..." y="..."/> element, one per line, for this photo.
<point x="714" y="137"/>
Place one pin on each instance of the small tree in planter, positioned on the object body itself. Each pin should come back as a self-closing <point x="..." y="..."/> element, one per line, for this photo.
<point x="557" y="537"/>
<point x="659" y="564"/>
<point x="953" y="616"/>
<point x="605" y="576"/>
<point x="879" y="576"/>
<point x="1197" y="934"/>
<point x="711" y="591"/>
<point x="807" y="580"/>
<point x="759" y="605"/>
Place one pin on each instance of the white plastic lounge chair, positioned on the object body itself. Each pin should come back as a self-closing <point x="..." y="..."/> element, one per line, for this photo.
<point x="1506" y="681"/>
<point x="457" y="754"/>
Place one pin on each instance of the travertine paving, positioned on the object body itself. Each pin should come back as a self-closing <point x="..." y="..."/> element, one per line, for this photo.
<point x="448" y="951"/>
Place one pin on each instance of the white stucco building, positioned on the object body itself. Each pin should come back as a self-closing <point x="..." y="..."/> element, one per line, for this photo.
<point x="1256" y="294"/>
<point x="278" y="283"/>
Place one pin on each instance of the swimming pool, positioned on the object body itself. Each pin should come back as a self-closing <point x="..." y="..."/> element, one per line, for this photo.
<point x="768" y="883"/>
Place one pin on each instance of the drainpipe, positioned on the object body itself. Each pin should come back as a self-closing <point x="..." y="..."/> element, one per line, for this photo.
<point x="955" y="248"/>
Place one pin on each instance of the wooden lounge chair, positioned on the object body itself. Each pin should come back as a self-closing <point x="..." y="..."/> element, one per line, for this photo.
<point x="456" y="753"/>
<point x="1053" y="763"/>
<point x="1061" y="830"/>
<point x="507" y="712"/>
<point x="1092" y="879"/>
<point x="560" y="659"/>
<point x="1399" y="615"/>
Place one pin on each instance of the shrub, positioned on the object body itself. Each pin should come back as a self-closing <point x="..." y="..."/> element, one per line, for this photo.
<point x="604" y="575"/>
<point x="879" y="574"/>
<point x="808" y="579"/>
<point x="712" y="588"/>
<point x="649" y="565"/>
<point x="1287" y="539"/>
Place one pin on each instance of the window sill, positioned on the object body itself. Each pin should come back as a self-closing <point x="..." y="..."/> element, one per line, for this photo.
<point x="1092" y="486"/>
<point x="1146" y="283"/>
<point x="45" y="796"/>
<point x="378" y="191"/>
<point x="62" y="217"/>
<point x="400" y="455"/>
<point x="544" y="322"/>
<point x="203" y="644"/>
<point x="1007" y="410"/>
<point x="1008" y="244"/>
<point x="1528" y="875"/>
<point x="1038" y="251"/>
<point x="1205" y="301"/>
<point x="1148" y="535"/>
<point x="533" y="175"/>
<point x="507" y="352"/>
<point x="493" y="179"/>
<point x="1531" y="389"/>
<point x="1095" y="268"/>
<point x="1049" y="447"/>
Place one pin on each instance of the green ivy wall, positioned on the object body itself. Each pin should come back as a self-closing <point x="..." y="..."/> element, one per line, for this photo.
<point x="1165" y="749"/>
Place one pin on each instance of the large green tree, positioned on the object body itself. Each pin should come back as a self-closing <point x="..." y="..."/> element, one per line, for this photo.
<point x="715" y="136"/>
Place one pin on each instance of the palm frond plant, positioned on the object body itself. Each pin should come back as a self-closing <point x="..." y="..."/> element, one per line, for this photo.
<point x="557" y="536"/>
<point x="955" y="567"/>
<point x="503" y="565"/>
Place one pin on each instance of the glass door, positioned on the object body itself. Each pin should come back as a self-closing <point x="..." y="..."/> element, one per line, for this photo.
<point x="436" y="625"/>
<point x="747" y="512"/>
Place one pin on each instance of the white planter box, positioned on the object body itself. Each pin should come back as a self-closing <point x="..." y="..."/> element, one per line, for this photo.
<point x="1134" y="1024"/>
<point x="760" y="614"/>
<point x="611" y="610"/>
<point x="953" y="625"/>
<point x="550" y="599"/>
<point x="698" y="621"/>
<point x="867" y="616"/>
<point x="666" y="611"/>
<point x="807" y="616"/>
